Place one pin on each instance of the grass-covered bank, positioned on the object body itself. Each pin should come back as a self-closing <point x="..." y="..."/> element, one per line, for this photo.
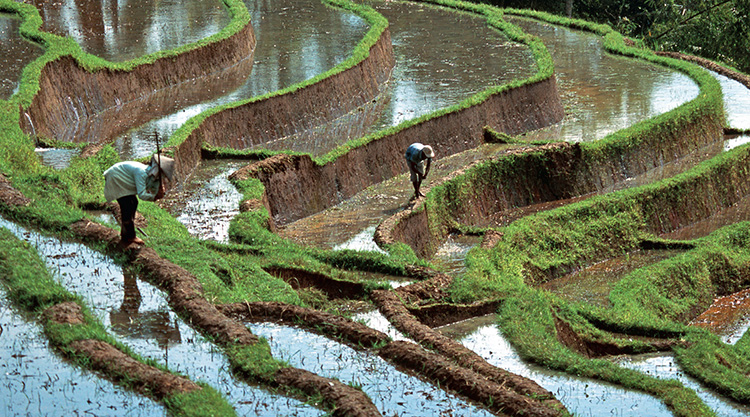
<point x="33" y="289"/>
<point x="551" y="173"/>
<point x="518" y="106"/>
<point x="656" y="301"/>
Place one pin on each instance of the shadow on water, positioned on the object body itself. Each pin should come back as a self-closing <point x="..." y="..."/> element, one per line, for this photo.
<point x="139" y="315"/>
<point x="17" y="53"/>
<point x="392" y="392"/>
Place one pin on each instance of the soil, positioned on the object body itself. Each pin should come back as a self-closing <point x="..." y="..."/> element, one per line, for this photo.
<point x="115" y="364"/>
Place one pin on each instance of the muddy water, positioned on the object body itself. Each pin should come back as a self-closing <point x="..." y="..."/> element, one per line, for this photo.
<point x="393" y="393"/>
<point x="17" y="53"/>
<point x="442" y="57"/>
<point x="593" y="284"/>
<point x="35" y="381"/>
<point x="120" y="30"/>
<point x="580" y="396"/>
<point x="138" y="314"/>
<point x="604" y="93"/>
<point x="207" y="203"/>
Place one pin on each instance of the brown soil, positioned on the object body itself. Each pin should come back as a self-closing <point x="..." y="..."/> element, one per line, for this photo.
<point x="498" y="396"/>
<point x="114" y="363"/>
<point x="322" y="101"/>
<point x="355" y="334"/>
<point x="123" y="99"/>
<point x="296" y="186"/>
<point x="333" y="288"/>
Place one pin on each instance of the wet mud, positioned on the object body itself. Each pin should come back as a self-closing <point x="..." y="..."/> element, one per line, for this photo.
<point x="71" y="99"/>
<point x="464" y="381"/>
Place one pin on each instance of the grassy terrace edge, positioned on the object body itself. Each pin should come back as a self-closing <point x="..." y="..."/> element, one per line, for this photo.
<point x="247" y="226"/>
<point x="378" y="25"/>
<point x="610" y="225"/>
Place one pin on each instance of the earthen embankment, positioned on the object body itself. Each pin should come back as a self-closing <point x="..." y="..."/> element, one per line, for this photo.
<point x="257" y="121"/>
<point x="297" y="186"/>
<point x="69" y="95"/>
<point x="520" y="178"/>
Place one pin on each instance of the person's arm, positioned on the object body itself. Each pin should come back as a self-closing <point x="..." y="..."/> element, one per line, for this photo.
<point x="148" y="187"/>
<point x="427" y="168"/>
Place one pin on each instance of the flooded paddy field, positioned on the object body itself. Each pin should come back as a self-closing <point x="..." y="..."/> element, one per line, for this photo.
<point x="296" y="41"/>
<point x="138" y="314"/>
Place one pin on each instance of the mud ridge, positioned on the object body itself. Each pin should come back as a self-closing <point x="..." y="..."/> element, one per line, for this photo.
<point x="497" y="396"/>
<point x="258" y="121"/>
<point x="69" y="95"/>
<point x="297" y="186"/>
<point x="109" y="360"/>
<point x="393" y="309"/>
<point x="333" y="288"/>
<point x="355" y="334"/>
<point x="546" y="174"/>
<point x="596" y="348"/>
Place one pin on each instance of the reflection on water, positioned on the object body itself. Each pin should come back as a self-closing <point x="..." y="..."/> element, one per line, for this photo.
<point x="37" y="382"/>
<point x="17" y="53"/>
<point x="392" y="392"/>
<point x="296" y="40"/>
<point x="604" y="93"/>
<point x="443" y="57"/>
<point x="582" y="397"/>
<point x="208" y="201"/>
<point x="120" y="30"/>
<point x="56" y="158"/>
<point x="139" y="314"/>
<point x="664" y="366"/>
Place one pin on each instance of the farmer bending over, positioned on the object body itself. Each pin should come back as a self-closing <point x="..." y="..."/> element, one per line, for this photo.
<point x="416" y="155"/>
<point x="126" y="180"/>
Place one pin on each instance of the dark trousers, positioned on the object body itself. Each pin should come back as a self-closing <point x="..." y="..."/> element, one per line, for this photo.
<point x="128" y="207"/>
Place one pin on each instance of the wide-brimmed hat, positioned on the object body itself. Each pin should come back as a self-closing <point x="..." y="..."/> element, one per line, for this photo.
<point x="428" y="152"/>
<point x="165" y="164"/>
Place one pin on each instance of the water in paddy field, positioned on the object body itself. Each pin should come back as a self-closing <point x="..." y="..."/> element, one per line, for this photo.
<point x="603" y="93"/>
<point x="121" y="30"/>
<point x="137" y="313"/>
<point x="17" y="53"/>
<point x="295" y="40"/>
<point x="208" y="201"/>
<point x="394" y="393"/>
<point x="593" y="284"/>
<point x="664" y="366"/>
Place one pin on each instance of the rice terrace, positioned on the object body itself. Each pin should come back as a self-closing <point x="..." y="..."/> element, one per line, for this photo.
<point x="578" y="244"/>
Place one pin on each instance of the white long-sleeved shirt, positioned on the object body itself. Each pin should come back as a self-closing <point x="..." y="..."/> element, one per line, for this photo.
<point x="130" y="178"/>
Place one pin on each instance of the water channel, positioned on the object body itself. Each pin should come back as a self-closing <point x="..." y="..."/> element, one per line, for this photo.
<point x="602" y="94"/>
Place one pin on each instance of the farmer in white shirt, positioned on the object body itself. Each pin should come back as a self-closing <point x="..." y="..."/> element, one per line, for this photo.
<point x="416" y="155"/>
<point x="128" y="181"/>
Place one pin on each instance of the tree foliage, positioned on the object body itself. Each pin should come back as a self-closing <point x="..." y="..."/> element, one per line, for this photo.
<point x="714" y="29"/>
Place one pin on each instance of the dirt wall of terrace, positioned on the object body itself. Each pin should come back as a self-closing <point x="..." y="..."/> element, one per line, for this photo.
<point x="260" y="121"/>
<point x="69" y="96"/>
<point x="520" y="178"/>
<point x="296" y="186"/>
